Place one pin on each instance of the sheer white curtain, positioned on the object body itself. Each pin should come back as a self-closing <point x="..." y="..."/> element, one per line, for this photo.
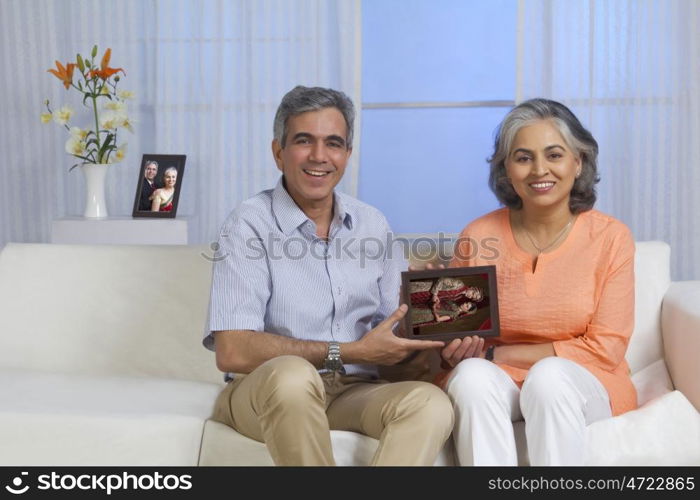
<point x="630" y="70"/>
<point x="208" y="75"/>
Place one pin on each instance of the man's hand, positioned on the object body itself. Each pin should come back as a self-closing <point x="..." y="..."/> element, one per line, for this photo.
<point x="459" y="349"/>
<point x="381" y="347"/>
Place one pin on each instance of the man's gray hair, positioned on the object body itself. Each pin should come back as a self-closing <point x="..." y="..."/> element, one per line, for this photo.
<point x="579" y="139"/>
<point x="152" y="162"/>
<point x="302" y="99"/>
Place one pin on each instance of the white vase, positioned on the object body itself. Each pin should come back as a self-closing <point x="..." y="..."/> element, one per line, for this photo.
<point x="95" y="203"/>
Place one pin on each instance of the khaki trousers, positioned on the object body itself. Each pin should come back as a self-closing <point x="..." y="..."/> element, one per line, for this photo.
<point x="289" y="406"/>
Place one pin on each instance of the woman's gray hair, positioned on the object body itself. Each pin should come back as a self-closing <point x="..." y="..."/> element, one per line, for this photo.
<point x="302" y="99"/>
<point x="169" y="169"/>
<point x="579" y="139"/>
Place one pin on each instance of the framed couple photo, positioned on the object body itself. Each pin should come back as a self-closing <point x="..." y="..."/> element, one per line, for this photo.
<point x="444" y="304"/>
<point x="158" y="187"/>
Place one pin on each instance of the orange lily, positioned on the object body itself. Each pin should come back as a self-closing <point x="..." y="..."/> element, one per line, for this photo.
<point x="105" y="71"/>
<point x="65" y="74"/>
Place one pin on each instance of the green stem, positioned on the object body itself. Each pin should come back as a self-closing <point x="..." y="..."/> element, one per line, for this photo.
<point x="97" y="123"/>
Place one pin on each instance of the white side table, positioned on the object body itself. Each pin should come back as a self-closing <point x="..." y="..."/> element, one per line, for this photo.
<point x="119" y="231"/>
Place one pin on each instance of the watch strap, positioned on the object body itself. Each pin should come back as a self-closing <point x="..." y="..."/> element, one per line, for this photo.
<point x="333" y="362"/>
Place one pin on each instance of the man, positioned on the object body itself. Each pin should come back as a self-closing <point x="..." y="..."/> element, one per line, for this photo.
<point x="148" y="185"/>
<point x="303" y="316"/>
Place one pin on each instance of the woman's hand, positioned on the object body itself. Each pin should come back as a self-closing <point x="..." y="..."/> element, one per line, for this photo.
<point x="459" y="349"/>
<point x="428" y="265"/>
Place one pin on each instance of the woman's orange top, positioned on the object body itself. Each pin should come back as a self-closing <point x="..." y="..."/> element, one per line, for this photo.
<point x="580" y="296"/>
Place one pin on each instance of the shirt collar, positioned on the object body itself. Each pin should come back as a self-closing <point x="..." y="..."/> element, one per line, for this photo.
<point x="289" y="216"/>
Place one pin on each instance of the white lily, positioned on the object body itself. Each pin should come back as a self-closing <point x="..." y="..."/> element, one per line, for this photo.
<point x="125" y="94"/>
<point x="127" y="123"/>
<point x="75" y="146"/>
<point x="116" y="119"/>
<point x="120" y="153"/>
<point x="63" y="115"/>
<point x="78" y="133"/>
<point x="115" y="106"/>
<point x="111" y="119"/>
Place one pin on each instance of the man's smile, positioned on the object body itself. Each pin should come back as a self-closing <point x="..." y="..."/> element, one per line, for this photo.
<point x="316" y="173"/>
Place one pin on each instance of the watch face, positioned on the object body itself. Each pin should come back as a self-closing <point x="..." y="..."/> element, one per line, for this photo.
<point x="333" y="364"/>
<point x="333" y="361"/>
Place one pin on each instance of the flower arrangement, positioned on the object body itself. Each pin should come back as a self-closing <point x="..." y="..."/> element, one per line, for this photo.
<point x="98" y="144"/>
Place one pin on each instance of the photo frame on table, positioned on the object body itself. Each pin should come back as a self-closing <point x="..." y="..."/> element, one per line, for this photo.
<point x="156" y="171"/>
<point x="444" y="304"/>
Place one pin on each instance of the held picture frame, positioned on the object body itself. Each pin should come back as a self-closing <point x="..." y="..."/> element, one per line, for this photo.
<point x="444" y="304"/>
<point x="143" y="206"/>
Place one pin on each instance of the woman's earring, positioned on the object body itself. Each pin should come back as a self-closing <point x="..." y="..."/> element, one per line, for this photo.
<point x="578" y="174"/>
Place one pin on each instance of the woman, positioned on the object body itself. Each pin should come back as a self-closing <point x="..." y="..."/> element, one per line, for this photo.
<point x="442" y="311"/>
<point x="162" y="199"/>
<point x="444" y="299"/>
<point x="566" y="297"/>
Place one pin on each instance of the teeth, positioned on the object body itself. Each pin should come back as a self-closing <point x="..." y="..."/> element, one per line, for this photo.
<point x="315" y="173"/>
<point x="542" y="185"/>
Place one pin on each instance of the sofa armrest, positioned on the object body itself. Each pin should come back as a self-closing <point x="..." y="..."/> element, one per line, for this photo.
<point x="680" y="326"/>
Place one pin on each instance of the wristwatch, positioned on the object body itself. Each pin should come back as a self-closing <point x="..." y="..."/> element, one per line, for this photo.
<point x="333" y="363"/>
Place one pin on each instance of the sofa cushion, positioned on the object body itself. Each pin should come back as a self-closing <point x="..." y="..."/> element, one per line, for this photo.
<point x="55" y="419"/>
<point x="221" y="445"/>
<point x="106" y="310"/>
<point x="666" y="431"/>
<point x="652" y="382"/>
<point x="681" y="336"/>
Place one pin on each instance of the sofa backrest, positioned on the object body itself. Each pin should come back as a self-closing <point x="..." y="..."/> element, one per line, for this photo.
<point x="141" y="310"/>
<point x="652" y="277"/>
<point x="109" y="310"/>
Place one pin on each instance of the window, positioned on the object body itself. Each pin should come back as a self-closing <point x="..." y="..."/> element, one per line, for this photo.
<point x="437" y="78"/>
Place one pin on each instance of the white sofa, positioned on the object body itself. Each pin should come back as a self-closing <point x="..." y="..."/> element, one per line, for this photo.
<point x="101" y="363"/>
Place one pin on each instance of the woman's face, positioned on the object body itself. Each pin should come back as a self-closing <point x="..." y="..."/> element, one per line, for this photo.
<point x="541" y="166"/>
<point x="473" y="294"/>
<point x="170" y="178"/>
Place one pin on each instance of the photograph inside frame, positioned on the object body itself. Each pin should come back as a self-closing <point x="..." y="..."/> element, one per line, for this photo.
<point x="158" y="187"/>
<point x="451" y="303"/>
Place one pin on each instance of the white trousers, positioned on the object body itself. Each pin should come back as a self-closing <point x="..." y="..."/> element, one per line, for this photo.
<point x="559" y="398"/>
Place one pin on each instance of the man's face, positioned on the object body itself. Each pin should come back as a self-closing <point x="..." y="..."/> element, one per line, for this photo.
<point x="467" y="307"/>
<point x="314" y="157"/>
<point x="151" y="171"/>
